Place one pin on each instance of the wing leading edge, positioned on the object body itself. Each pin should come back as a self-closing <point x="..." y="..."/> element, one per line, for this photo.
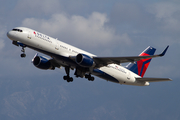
<point x="103" y="61"/>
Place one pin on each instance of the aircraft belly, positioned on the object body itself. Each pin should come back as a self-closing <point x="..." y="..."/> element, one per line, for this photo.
<point x="108" y="74"/>
<point x="104" y="75"/>
<point x="114" y="75"/>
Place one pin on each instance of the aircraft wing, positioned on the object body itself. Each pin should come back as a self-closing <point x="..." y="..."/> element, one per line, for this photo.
<point x="103" y="61"/>
<point x="153" y="79"/>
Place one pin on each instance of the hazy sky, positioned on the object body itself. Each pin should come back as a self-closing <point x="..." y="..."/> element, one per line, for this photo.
<point x="104" y="28"/>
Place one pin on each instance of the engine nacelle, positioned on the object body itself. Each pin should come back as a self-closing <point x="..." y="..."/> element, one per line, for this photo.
<point x="84" y="60"/>
<point x="42" y="63"/>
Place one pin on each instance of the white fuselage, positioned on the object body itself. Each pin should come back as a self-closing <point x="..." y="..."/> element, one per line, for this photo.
<point x="51" y="47"/>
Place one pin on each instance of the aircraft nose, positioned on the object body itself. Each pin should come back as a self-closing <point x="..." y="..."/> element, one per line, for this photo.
<point x="10" y="35"/>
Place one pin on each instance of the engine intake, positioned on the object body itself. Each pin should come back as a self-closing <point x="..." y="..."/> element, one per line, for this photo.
<point x="84" y="60"/>
<point x="42" y="63"/>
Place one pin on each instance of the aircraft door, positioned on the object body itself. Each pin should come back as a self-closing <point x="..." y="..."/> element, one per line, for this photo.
<point x="29" y="35"/>
<point x="57" y="45"/>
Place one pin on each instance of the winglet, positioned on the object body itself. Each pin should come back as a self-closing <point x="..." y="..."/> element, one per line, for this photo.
<point x="164" y="52"/>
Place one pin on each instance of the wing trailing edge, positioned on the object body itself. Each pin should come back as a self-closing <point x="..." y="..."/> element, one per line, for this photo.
<point x="103" y="61"/>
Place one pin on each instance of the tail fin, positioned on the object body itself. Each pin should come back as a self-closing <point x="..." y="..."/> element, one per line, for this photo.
<point x="141" y="66"/>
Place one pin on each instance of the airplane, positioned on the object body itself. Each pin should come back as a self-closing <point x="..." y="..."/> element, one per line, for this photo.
<point x="85" y="64"/>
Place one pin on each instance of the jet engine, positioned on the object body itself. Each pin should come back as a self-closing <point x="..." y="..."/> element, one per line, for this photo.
<point x="84" y="60"/>
<point x="42" y="63"/>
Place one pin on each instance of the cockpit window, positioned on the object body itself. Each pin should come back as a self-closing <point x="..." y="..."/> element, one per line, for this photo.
<point x="17" y="30"/>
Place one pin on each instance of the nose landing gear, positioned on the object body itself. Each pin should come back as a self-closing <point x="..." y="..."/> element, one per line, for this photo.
<point x="23" y="54"/>
<point x="23" y="47"/>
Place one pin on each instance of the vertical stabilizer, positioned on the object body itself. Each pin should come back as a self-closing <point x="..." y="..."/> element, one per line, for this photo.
<point x="141" y="66"/>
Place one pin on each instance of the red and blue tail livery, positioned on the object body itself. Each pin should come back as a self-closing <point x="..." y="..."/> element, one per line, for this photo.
<point x="141" y="66"/>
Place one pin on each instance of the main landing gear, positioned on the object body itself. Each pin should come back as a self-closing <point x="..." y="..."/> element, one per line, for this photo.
<point x="89" y="77"/>
<point x="23" y="54"/>
<point x="68" y="78"/>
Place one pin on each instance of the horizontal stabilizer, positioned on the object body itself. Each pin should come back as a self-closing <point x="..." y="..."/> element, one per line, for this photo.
<point x="153" y="79"/>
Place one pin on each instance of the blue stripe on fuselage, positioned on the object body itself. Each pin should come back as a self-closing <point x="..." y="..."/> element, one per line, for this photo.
<point x="104" y="75"/>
